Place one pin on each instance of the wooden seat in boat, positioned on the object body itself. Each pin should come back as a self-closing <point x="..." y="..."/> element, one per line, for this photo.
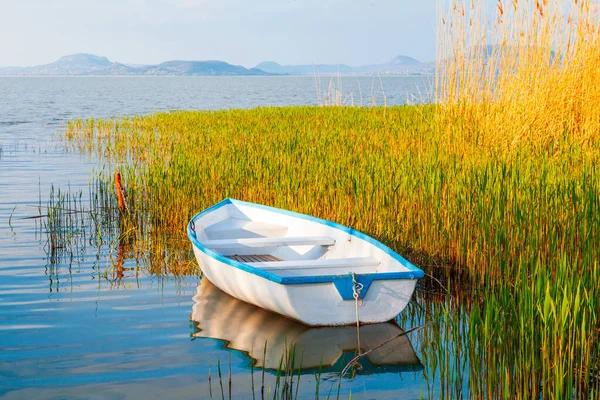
<point x="269" y="242"/>
<point x="243" y="228"/>
<point x="331" y="263"/>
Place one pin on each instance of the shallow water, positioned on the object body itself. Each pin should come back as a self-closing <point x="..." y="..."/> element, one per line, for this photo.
<point x="70" y="328"/>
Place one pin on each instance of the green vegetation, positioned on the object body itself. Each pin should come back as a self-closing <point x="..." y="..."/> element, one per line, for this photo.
<point x="524" y="229"/>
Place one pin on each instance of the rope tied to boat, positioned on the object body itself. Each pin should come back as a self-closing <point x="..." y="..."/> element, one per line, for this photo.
<point x="356" y="288"/>
<point x="354" y="361"/>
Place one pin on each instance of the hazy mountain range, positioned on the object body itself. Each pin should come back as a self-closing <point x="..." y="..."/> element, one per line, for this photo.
<point x="400" y="65"/>
<point x="89" y="64"/>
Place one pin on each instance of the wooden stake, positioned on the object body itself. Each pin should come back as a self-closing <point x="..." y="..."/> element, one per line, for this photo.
<point x="121" y="258"/>
<point x="120" y="191"/>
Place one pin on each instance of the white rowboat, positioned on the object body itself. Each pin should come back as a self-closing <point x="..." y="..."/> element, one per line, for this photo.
<point x="299" y="266"/>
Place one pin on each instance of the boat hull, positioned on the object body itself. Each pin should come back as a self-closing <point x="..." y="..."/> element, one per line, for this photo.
<point x="314" y="304"/>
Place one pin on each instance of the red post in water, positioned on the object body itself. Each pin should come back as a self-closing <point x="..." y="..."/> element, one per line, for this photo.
<point x="120" y="191"/>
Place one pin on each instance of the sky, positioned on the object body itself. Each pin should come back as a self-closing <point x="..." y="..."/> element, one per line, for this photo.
<point x="241" y="32"/>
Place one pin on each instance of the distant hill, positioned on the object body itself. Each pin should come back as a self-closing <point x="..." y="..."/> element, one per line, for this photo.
<point x="405" y="61"/>
<point x="401" y="65"/>
<point x="204" y="68"/>
<point x="89" y="64"/>
<point x="76" y="64"/>
<point x="82" y="61"/>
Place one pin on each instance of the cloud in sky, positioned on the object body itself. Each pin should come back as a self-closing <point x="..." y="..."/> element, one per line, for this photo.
<point x="238" y="31"/>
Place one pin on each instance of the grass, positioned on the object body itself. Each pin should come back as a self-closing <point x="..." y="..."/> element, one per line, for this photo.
<point x="523" y="75"/>
<point x="383" y="171"/>
<point x="498" y="182"/>
<point x="524" y="229"/>
<point x="520" y="85"/>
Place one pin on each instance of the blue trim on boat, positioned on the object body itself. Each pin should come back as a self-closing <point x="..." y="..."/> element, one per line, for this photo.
<point x="412" y="273"/>
<point x="345" y="285"/>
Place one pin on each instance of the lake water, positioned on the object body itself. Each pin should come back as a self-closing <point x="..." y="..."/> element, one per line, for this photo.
<point x="68" y="329"/>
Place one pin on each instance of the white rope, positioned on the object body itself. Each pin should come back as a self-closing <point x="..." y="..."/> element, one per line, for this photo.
<point x="356" y="288"/>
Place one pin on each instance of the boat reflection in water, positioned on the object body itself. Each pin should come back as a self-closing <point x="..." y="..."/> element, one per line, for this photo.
<point x="246" y="328"/>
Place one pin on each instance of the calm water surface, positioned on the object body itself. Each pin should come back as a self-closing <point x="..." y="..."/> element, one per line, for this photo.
<point x="69" y="329"/>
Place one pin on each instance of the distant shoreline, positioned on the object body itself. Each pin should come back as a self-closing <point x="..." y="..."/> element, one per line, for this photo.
<point x="92" y="65"/>
<point x="326" y="75"/>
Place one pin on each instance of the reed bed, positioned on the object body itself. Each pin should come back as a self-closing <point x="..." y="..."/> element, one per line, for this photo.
<point x="520" y="74"/>
<point x="498" y="182"/>
<point x="383" y="171"/>
<point x="525" y="230"/>
<point x="519" y="84"/>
